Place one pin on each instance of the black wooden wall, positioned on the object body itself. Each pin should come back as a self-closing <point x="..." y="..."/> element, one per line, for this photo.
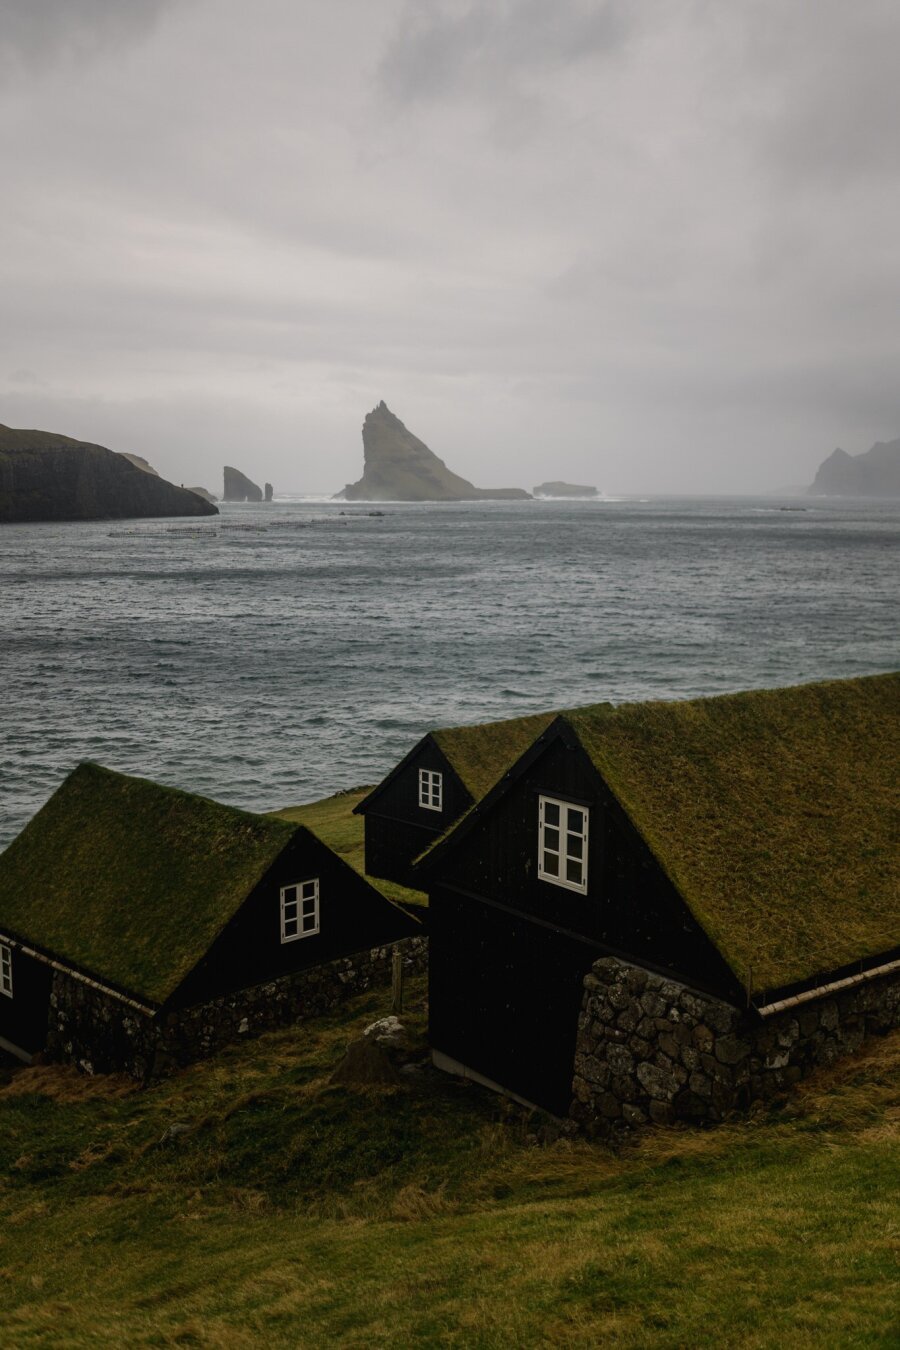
<point x="509" y="952"/>
<point x="352" y="917"/>
<point x="631" y="906"/>
<point x="398" y="829"/>
<point x="23" y="1018"/>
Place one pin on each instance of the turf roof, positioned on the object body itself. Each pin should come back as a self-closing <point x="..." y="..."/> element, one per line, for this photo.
<point x="132" y="881"/>
<point x="481" y="753"/>
<point x="776" y="813"/>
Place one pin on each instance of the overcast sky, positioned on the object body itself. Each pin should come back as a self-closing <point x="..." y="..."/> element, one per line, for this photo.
<point x="652" y="245"/>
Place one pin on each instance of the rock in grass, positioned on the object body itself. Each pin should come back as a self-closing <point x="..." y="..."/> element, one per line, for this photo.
<point x="365" y="1064"/>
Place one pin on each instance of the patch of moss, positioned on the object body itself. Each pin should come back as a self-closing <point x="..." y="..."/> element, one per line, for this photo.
<point x="132" y="881"/>
<point x="776" y="813"/>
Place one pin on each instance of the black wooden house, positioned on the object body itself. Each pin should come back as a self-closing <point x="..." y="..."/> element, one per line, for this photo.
<point x="744" y="845"/>
<point x="441" y="778"/>
<point x="141" y="926"/>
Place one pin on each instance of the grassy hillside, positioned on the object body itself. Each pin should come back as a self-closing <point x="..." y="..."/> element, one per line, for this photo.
<point x="283" y="1210"/>
<point x="332" y="819"/>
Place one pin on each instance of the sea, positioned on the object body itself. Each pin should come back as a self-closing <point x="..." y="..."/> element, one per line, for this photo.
<point x="286" y="651"/>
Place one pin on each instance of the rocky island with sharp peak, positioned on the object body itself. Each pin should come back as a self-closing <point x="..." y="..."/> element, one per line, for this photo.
<point x="398" y="467"/>
<point x="876" y="473"/>
<point x="239" y="488"/>
<point x="45" y="476"/>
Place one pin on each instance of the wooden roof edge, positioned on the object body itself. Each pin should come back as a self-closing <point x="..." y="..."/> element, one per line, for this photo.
<point x="67" y="967"/>
<point x="777" y="998"/>
<point x="461" y="827"/>
<point x="361" y="807"/>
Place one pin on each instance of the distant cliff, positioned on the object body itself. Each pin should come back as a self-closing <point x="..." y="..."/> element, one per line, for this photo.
<point x="398" y="467"/>
<point x="558" y="489"/>
<point x="873" y="474"/>
<point x="239" y="488"/>
<point x="44" y="476"/>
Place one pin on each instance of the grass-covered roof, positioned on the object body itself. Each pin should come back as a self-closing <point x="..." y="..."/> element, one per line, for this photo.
<point x="481" y="753"/>
<point x="332" y="820"/>
<point x="776" y="813"/>
<point x="131" y="881"/>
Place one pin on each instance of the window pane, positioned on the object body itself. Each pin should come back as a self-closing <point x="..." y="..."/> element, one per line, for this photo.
<point x="573" y="870"/>
<point x="551" y="864"/>
<point x="291" y="926"/>
<point x="576" y="819"/>
<point x="551" y="839"/>
<point x="289" y="895"/>
<point x="551" y="813"/>
<point x="574" y="845"/>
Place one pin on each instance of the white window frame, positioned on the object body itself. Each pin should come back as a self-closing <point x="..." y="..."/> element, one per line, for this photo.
<point x="568" y="816"/>
<point x="300" y="909"/>
<point x="431" y="789"/>
<point x="6" y="979"/>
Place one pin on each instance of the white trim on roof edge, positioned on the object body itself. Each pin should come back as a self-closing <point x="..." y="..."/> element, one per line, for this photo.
<point x="768" y="1009"/>
<point x="76" y="975"/>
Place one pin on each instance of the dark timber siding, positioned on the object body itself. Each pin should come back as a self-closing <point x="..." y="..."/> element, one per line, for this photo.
<point x="23" y="1018"/>
<point x="352" y="917"/>
<point x="398" y="829"/>
<point x="630" y="907"/>
<point x="504" y="997"/>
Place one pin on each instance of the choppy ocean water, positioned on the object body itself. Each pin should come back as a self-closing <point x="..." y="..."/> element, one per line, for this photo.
<point x="290" y="650"/>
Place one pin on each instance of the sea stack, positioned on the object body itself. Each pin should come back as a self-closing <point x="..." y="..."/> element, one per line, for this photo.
<point x="398" y="467"/>
<point x="270" y="492"/>
<point x="45" y="476"/>
<point x="239" y="488"/>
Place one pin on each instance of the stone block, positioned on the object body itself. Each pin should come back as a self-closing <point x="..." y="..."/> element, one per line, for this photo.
<point x="608" y="1106"/>
<point x="652" y="1004"/>
<point x="636" y="979"/>
<point x="633" y="1115"/>
<point x="659" y="1083"/>
<point x="731" y="1049"/>
<point x="619" y="1058"/>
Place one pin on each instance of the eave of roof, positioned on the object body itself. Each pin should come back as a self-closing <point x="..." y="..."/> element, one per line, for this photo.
<point x="131" y="882"/>
<point x="774" y="814"/>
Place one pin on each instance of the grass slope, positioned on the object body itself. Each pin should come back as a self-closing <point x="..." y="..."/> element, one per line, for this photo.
<point x="292" y="1212"/>
<point x="333" y="821"/>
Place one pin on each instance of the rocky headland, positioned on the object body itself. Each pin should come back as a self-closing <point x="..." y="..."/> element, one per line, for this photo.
<point x="45" y="476"/>
<point x="398" y="467"/>
<point x="560" y="489"/>
<point x="239" y="488"/>
<point x="876" y="473"/>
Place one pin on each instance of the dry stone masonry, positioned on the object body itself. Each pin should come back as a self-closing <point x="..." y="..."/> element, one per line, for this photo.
<point x="102" y="1035"/>
<point x="651" y="1049"/>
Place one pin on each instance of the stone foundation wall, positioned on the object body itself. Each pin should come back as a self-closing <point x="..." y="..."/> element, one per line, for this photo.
<point x="102" y="1035"/>
<point x="651" y="1049"/>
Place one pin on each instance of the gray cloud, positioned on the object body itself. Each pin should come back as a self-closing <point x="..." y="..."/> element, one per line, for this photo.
<point x="448" y="48"/>
<point x="34" y="34"/>
<point x="653" y="244"/>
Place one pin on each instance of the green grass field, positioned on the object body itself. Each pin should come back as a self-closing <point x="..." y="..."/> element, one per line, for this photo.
<point x="284" y="1210"/>
<point x="332" y="819"/>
